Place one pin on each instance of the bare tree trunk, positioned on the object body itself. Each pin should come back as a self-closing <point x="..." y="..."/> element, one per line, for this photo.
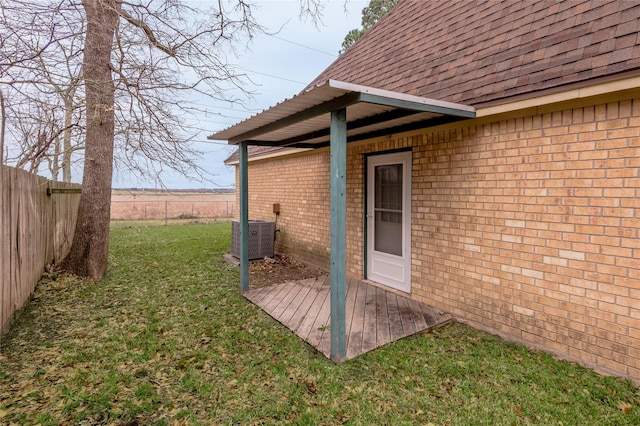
<point x="66" y="138"/>
<point x="36" y="159"/>
<point x="55" y="161"/>
<point x="3" y="125"/>
<point x="90" y="248"/>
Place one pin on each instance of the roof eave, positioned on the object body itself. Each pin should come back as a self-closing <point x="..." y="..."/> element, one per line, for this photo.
<point x="331" y="96"/>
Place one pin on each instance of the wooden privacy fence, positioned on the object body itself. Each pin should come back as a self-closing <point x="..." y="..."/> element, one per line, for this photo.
<point x="37" y="221"/>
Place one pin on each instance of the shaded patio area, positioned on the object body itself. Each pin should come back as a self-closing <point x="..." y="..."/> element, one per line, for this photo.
<point x="374" y="316"/>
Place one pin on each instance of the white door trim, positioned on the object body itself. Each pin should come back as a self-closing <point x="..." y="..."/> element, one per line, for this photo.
<point x="388" y="269"/>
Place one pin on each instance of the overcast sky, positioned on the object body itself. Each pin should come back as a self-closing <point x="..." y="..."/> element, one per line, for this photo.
<point x="279" y="67"/>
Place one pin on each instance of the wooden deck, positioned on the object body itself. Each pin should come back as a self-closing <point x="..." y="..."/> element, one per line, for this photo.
<point x="374" y="316"/>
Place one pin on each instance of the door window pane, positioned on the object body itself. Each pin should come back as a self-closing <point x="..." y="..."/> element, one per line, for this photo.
<point x="388" y="209"/>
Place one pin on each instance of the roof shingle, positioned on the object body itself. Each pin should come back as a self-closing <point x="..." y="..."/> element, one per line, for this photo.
<point x="483" y="52"/>
<point x="477" y="52"/>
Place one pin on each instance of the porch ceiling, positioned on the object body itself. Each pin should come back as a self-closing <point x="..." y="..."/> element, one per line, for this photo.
<point x="304" y="120"/>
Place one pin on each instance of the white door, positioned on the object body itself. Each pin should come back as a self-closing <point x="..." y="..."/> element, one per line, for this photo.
<point x="389" y="220"/>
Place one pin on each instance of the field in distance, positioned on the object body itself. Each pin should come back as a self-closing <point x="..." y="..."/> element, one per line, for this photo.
<point x="154" y="204"/>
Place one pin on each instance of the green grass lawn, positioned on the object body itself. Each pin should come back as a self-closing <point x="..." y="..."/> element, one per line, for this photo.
<point x="166" y="338"/>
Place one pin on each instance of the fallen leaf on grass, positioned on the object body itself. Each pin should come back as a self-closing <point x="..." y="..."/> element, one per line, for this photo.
<point x="624" y="406"/>
<point x="517" y="409"/>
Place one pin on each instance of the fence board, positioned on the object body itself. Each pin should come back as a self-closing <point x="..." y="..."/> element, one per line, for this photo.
<point x="65" y="208"/>
<point x="35" y="230"/>
<point x="5" y="264"/>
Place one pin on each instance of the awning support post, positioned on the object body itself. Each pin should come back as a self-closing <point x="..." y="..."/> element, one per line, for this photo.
<point x="338" y="255"/>
<point x="244" y="216"/>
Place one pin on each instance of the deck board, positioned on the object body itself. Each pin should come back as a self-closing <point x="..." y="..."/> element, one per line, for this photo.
<point x="320" y="312"/>
<point x="278" y="297"/>
<point x="374" y="316"/>
<point x="408" y="324"/>
<point x="370" y="329"/>
<point x="304" y="288"/>
<point x="256" y="295"/>
<point x="306" y="303"/>
<point x="418" y="314"/>
<point x="354" y="341"/>
<point x="292" y="293"/>
<point x="383" y="332"/>
<point x="352" y="292"/>
<point x="309" y="315"/>
<point x="395" y="321"/>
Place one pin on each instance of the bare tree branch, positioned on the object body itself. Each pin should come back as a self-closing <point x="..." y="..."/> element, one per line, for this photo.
<point x="148" y="31"/>
<point x="130" y="71"/>
<point x="3" y="126"/>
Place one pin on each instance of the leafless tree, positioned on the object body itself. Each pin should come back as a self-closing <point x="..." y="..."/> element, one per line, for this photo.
<point x="90" y="247"/>
<point x="142" y="65"/>
<point x="40" y="73"/>
<point x="3" y="126"/>
<point x="161" y="51"/>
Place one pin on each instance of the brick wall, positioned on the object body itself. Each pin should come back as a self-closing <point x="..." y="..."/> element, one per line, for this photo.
<point x="300" y="184"/>
<point x="526" y="226"/>
<point x="531" y="228"/>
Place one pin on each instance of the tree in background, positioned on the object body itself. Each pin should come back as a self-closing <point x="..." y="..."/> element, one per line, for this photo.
<point x="44" y="91"/>
<point x="133" y="55"/>
<point x="90" y="248"/>
<point x="40" y="74"/>
<point x="370" y="15"/>
<point x="140" y="64"/>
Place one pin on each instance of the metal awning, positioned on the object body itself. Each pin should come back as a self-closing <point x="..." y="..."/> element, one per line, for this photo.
<point x="304" y="120"/>
<point x="333" y="114"/>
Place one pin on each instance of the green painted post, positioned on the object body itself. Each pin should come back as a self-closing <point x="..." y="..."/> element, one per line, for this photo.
<point x="338" y="274"/>
<point x="244" y="216"/>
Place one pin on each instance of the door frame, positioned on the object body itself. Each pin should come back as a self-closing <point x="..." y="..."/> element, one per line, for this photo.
<point x="404" y="155"/>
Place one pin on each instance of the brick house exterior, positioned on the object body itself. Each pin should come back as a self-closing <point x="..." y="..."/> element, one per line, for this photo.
<point x="525" y="221"/>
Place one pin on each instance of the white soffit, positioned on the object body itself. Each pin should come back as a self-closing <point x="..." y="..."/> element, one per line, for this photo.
<point x="304" y="120"/>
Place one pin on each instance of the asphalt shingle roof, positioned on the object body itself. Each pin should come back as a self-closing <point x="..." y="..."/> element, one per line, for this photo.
<point x="485" y="52"/>
<point x="475" y="52"/>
